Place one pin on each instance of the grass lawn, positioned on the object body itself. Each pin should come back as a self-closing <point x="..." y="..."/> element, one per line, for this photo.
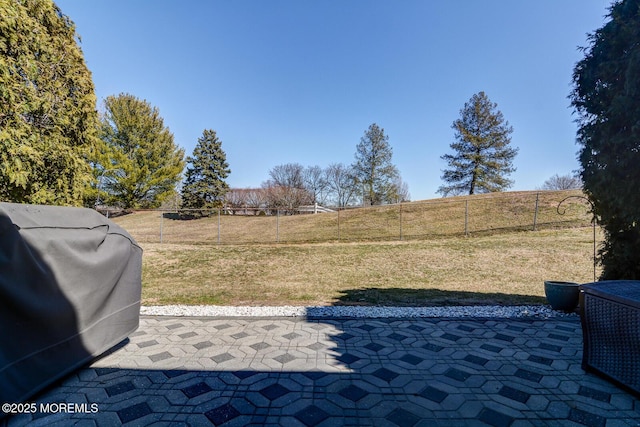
<point x="506" y="269"/>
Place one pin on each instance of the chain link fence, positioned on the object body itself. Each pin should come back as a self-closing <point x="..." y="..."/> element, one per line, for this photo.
<point x="460" y="216"/>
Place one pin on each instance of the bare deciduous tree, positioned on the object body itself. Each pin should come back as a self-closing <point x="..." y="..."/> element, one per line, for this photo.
<point x="562" y="182"/>
<point x="342" y="183"/>
<point x="256" y="198"/>
<point x="315" y="182"/>
<point x="285" y="198"/>
<point x="287" y="175"/>
<point x="286" y="190"/>
<point x="235" y="199"/>
<point x="400" y="191"/>
<point x="246" y="201"/>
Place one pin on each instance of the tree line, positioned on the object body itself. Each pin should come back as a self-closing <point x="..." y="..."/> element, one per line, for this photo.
<point x="292" y="185"/>
<point x="55" y="148"/>
<point x="371" y="179"/>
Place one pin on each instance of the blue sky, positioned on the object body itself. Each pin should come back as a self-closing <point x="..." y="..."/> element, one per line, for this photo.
<point x="284" y="81"/>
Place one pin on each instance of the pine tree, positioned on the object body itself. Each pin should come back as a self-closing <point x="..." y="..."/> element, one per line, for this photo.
<point x="373" y="166"/>
<point x="483" y="157"/>
<point x="144" y="163"/>
<point x="606" y="96"/>
<point x="205" y="186"/>
<point x="48" y="116"/>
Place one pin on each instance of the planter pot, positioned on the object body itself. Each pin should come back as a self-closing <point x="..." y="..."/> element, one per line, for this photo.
<point x="562" y="295"/>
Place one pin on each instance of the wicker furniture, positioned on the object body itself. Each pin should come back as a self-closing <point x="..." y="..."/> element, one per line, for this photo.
<point x="610" y="315"/>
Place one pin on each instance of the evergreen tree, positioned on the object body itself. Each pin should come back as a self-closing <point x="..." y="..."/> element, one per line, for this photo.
<point x="373" y="166"/>
<point x="606" y="96"/>
<point x="145" y="165"/>
<point x="205" y="186"/>
<point x="48" y="116"/>
<point x="483" y="157"/>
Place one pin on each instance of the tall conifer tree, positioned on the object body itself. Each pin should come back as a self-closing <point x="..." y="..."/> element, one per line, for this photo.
<point x="144" y="164"/>
<point x="205" y="186"/>
<point x="483" y="156"/>
<point x="48" y="116"/>
<point x="373" y="166"/>
<point x="607" y="97"/>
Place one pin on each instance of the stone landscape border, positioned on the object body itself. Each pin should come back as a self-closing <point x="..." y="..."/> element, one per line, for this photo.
<point x="536" y="311"/>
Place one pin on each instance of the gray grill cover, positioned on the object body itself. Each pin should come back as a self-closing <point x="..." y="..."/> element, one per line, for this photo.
<point x="70" y="282"/>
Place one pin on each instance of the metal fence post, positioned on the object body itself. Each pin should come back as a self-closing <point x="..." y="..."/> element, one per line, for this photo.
<point x="466" y="217"/>
<point x="161" y="217"/>
<point x="400" y="221"/>
<point x="535" y="213"/>
<point x="278" y="226"/>
<point x="218" y="226"/>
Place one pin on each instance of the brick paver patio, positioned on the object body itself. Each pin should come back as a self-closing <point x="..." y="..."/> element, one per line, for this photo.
<point x="329" y="372"/>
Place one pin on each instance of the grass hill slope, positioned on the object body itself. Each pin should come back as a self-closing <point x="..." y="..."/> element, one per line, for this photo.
<point x="502" y="261"/>
<point x="448" y="217"/>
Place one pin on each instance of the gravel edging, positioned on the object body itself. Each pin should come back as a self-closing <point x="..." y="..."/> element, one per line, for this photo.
<point x="536" y="311"/>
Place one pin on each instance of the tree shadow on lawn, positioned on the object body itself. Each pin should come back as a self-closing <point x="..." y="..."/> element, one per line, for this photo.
<point x="431" y="298"/>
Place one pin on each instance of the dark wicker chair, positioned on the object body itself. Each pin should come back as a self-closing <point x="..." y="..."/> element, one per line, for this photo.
<point x="610" y="315"/>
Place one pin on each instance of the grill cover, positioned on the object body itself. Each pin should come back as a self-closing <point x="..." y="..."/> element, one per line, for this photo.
<point x="70" y="283"/>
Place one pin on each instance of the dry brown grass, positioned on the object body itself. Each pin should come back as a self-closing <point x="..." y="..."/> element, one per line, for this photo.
<point x="486" y="214"/>
<point x="409" y="254"/>
<point x="493" y="269"/>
